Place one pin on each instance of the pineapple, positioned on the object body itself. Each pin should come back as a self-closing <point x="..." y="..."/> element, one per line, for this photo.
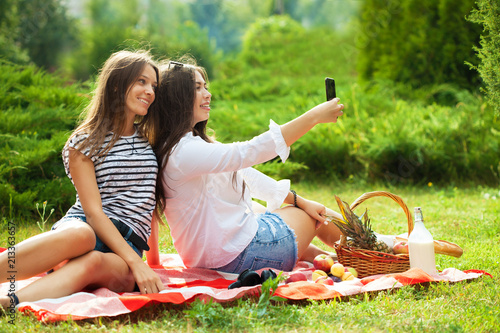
<point x="358" y="229"/>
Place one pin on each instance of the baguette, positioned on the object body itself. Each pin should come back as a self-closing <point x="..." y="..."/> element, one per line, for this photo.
<point x="442" y="247"/>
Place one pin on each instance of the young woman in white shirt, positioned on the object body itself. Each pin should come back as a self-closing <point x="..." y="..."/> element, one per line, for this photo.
<point x="206" y="188"/>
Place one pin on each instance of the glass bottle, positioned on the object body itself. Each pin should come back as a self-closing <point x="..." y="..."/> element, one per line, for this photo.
<point x="421" y="246"/>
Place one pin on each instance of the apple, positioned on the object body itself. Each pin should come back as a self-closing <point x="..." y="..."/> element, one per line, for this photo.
<point x="297" y="276"/>
<point x="337" y="269"/>
<point x="400" y="247"/>
<point x="353" y="271"/>
<point x="324" y="280"/>
<point x="323" y="262"/>
<point x="317" y="273"/>
<point x="347" y="276"/>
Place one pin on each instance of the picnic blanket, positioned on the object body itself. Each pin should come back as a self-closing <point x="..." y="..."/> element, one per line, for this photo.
<point x="184" y="285"/>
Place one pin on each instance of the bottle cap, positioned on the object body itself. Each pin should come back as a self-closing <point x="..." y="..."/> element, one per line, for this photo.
<point x="418" y="214"/>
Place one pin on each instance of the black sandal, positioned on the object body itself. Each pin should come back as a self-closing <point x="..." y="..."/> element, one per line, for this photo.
<point x="249" y="278"/>
<point x="13" y="297"/>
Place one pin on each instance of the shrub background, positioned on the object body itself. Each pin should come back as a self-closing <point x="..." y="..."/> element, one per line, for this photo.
<point x="394" y="131"/>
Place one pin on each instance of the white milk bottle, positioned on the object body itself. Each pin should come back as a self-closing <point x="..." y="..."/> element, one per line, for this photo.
<point x="421" y="246"/>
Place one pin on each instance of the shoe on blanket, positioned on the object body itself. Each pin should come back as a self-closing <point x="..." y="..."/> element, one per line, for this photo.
<point x="249" y="278"/>
<point x="268" y="274"/>
<point x="245" y="279"/>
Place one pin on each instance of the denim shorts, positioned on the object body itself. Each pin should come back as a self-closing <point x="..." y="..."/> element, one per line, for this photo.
<point x="274" y="246"/>
<point x="99" y="245"/>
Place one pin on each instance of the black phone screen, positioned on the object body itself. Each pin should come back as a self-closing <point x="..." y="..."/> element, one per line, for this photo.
<point x="330" y="88"/>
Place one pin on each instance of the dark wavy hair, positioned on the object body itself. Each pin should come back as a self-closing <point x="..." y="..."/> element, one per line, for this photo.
<point x="172" y="114"/>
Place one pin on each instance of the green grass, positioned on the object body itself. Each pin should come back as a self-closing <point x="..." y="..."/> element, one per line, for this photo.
<point x="461" y="215"/>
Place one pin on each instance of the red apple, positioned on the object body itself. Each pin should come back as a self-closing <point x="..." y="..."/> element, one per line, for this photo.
<point x="324" y="280"/>
<point x="297" y="276"/>
<point x="323" y="262"/>
<point x="400" y="247"/>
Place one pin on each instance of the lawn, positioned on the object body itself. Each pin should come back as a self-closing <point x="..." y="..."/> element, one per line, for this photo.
<point x="466" y="216"/>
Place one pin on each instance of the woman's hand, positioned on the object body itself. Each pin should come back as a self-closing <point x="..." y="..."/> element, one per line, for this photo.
<point x="328" y="112"/>
<point x="315" y="210"/>
<point x="146" y="278"/>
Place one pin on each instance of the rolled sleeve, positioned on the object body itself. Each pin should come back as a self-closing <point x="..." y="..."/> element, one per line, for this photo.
<point x="282" y="149"/>
<point x="265" y="188"/>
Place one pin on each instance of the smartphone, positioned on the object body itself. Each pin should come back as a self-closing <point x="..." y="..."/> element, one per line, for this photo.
<point x="330" y="88"/>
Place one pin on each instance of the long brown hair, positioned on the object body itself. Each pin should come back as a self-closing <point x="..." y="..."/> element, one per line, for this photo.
<point x="106" y="111"/>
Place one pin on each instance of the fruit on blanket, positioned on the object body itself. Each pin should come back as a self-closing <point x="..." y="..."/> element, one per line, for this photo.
<point x="337" y="269"/>
<point x="357" y="229"/>
<point x="347" y="276"/>
<point x="296" y="276"/>
<point x="317" y="273"/>
<point x="323" y="262"/>
<point x="324" y="280"/>
<point x="335" y="278"/>
<point x="400" y="247"/>
<point x="353" y="271"/>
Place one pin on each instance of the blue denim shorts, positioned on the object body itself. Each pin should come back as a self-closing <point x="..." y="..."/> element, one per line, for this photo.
<point x="274" y="246"/>
<point x="99" y="245"/>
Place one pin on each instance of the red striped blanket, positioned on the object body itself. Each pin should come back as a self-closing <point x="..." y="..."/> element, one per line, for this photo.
<point x="187" y="284"/>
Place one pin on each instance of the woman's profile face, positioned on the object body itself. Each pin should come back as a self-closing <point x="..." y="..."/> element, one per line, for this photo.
<point x="201" y="109"/>
<point x="141" y="93"/>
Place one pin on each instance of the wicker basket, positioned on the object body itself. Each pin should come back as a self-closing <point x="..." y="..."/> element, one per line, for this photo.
<point x="368" y="262"/>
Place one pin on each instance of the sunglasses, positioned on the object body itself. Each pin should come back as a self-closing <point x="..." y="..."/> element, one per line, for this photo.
<point x="175" y="64"/>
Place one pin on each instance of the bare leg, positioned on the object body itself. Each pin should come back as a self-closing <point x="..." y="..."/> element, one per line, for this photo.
<point x="312" y="251"/>
<point x="42" y="252"/>
<point x="302" y="224"/>
<point x="94" y="269"/>
<point x="329" y="233"/>
<point x="305" y="230"/>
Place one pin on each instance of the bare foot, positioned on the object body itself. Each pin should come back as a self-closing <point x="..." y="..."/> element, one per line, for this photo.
<point x="5" y="302"/>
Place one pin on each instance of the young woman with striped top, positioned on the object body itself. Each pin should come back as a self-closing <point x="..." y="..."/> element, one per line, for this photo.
<point x="100" y="240"/>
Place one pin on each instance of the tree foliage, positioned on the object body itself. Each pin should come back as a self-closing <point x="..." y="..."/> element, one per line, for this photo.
<point x="35" y="30"/>
<point x="10" y="49"/>
<point x="46" y="31"/>
<point x="487" y="14"/>
<point x="421" y="42"/>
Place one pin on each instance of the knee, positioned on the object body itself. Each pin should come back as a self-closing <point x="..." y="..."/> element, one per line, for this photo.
<point x="79" y="235"/>
<point x="91" y="263"/>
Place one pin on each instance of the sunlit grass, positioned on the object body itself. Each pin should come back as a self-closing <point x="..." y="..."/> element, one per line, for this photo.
<point x="460" y="215"/>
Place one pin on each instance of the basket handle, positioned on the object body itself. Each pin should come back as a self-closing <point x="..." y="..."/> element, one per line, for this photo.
<point x="394" y="197"/>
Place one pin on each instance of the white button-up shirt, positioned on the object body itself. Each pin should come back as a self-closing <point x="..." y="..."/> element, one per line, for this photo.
<point x="210" y="221"/>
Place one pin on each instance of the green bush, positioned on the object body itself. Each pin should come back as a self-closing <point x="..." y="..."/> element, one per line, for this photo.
<point x="391" y="132"/>
<point x="487" y="13"/>
<point x="38" y="112"/>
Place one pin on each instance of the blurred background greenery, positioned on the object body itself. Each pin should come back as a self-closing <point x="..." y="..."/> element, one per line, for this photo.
<point x="419" y="78"/>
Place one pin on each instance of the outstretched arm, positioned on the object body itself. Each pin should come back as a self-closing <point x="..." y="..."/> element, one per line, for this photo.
<point x="327" y="112"/>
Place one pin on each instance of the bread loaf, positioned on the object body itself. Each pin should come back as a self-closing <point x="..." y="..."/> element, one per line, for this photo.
<point x="442" y="247"/>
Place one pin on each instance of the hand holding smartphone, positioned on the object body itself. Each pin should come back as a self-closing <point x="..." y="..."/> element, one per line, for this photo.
<point x="330" y="88"/>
